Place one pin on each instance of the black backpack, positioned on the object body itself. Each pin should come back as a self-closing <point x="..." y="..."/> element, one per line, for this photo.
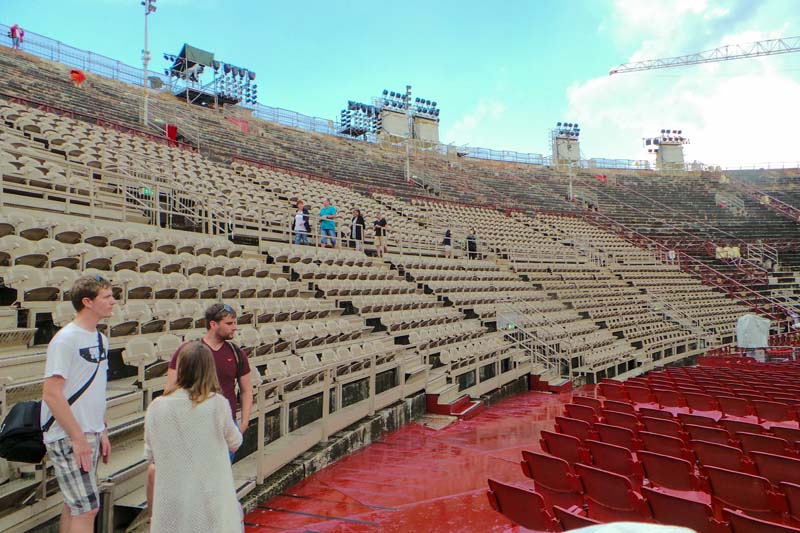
<point x="21" y="434"/>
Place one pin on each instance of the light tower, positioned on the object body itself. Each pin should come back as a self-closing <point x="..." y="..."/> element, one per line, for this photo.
<point x="565" y="143"/>
<point x="149" y="7"/>
<point x="668" y="149"/>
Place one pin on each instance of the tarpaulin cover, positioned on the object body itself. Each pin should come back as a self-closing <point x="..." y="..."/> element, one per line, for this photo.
<point x="752" y="332"/>
<point x="193" y="56"/>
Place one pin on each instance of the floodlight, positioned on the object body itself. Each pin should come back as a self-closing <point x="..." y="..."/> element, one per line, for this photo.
<point x="226" y="68"/>
<point x="558" y="124"/>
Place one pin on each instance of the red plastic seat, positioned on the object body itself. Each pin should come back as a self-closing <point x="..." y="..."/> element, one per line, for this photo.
<point x="553" y="478"/>
<point x="623" y="420"/>
<point x="739" y="522"/>
<point x="735" y="426"/>
<point x="736" y="408"/>
<point x="702" y="403"/>
<point x="752" y="442"/>
<point x="670" y="400"/>
<point x="640" y="395"/>
<point x="616" y="459"/>
<point x="564" y="447"/>
<point x="777" y="468"/>
<point x="594" y="403"/>
<point x="573" y="518"/>
<point x="665" y="445"/>
<point x="697" y="420"/>
<point x="577" y="428"/>
<point x="610" y="497"/>
<point x="612" y="391"/>
<point x="792" y="492"/>
<point x="618" y="436"/>
<point x="787" y="433"/>
<point x="767" y="411"/>
<point x="670" y="509"/>
<point x="619" y="406"/>
<point x="722" y="456"/>
<point x="581" y="412"/>
<point x="664" y="427"/>
<point x="708" y="434"/>
<point x="671" y="473"/>
<point x="752" y="494"/>
<point x="655" y="413"/>
<point x="521" y="506"/>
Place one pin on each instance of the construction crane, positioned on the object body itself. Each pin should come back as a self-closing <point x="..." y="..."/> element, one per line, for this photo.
<point x="723" y="53"/>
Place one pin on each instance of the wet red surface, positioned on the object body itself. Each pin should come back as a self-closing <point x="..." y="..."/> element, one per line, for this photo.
<point x="418" y="479"/>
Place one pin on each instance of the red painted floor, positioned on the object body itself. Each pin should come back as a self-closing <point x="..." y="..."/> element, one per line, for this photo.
<point x="418" y="479"/>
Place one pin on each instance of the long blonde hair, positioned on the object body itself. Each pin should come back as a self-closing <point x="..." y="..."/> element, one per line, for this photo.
<point x="197" y="373"/>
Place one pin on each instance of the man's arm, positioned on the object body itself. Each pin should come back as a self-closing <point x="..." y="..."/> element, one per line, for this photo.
<point x="53" y="396"/>
<point x="246" y="390"/>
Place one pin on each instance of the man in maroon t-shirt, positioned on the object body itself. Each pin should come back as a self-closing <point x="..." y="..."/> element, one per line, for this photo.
<point x="221" y="326"/>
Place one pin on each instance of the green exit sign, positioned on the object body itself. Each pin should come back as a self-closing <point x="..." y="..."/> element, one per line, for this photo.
<point x="146" y="191"/>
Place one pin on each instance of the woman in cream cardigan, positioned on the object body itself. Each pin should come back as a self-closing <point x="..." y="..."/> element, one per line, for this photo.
<point x="188" y="432"/>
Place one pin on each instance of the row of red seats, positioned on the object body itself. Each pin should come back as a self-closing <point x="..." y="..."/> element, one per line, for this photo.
<point x="562" y="493"/>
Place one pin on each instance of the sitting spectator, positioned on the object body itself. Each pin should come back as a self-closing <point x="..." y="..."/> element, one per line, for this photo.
<point x="357" y="230"/>
<point x="188" y="434"/>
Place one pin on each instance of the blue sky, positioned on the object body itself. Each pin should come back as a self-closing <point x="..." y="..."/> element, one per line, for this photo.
<point x="503" y="73"/>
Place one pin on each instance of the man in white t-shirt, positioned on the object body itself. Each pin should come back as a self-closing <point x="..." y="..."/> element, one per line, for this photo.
<point x="77" y="355"/>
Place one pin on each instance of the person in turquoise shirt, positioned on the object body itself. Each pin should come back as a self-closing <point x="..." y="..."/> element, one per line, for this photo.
<point x="327" y="224"/>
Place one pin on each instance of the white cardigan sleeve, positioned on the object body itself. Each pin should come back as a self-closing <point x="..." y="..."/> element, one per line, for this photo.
<point x="229" y="429"/>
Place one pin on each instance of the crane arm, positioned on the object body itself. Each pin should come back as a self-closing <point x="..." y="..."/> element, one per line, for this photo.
<point x="723" y="53"/>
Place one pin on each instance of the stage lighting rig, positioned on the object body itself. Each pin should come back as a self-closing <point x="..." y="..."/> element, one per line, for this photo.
<point x="359" y="119"/>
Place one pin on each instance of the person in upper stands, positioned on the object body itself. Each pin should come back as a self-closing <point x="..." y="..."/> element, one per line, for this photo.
<point x="188" y="433"/>
<point x="448" y="245"/>
<point x="301" y="225"/>
<point x="380" y="227"/>
<point x="77" y="360"/>
<point x="327" y="224"/>
<point x="472" y="244"/>
<point x="357" y="229"/>
<point x="17" y="35"/>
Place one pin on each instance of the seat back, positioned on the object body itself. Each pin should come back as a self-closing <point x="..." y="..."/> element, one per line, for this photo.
<point x="670" y="472"/>
<point x="733" y="406"/>
<point x="787" y="433"/>
<point x="777" y="468"/>
<point x="773" y="411"/>
<point x="522" y="506"/>
<point x="669" y="398"/>
<point x="623" y="420"/>
<point x="580" y="412"/>
<point x="594" y="403"/>
<point x="563" y="446"/>
<point x="655" y="413"/>
<point x="553" y="478"/>
<point x="663" y="427"/>
<point x="735" y="426"/>
<point x="741" y="523"/>
<point x="617" y="436"/>
<point x="616" y="459"/>
<point x="674" y="510"/>
<point x="700" y="402"/>
<point x="707" y="434"/>
<point x="665" y="445"/>
<point x="619" y="406"/>
<point x="639" y="394"/>
<point x="576" y="428"/>
<point x="752" y="442"/>
<point x="610" y="497"/>
<point x="792" y="493"/>
<point x="721" y="456"/>
<point x="747" y="492"/>
<point x="613" y="391"/>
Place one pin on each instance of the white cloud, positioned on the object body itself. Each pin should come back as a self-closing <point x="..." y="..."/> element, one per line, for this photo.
<point x="735" y="113"/>
<point x="473" y="123"/>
